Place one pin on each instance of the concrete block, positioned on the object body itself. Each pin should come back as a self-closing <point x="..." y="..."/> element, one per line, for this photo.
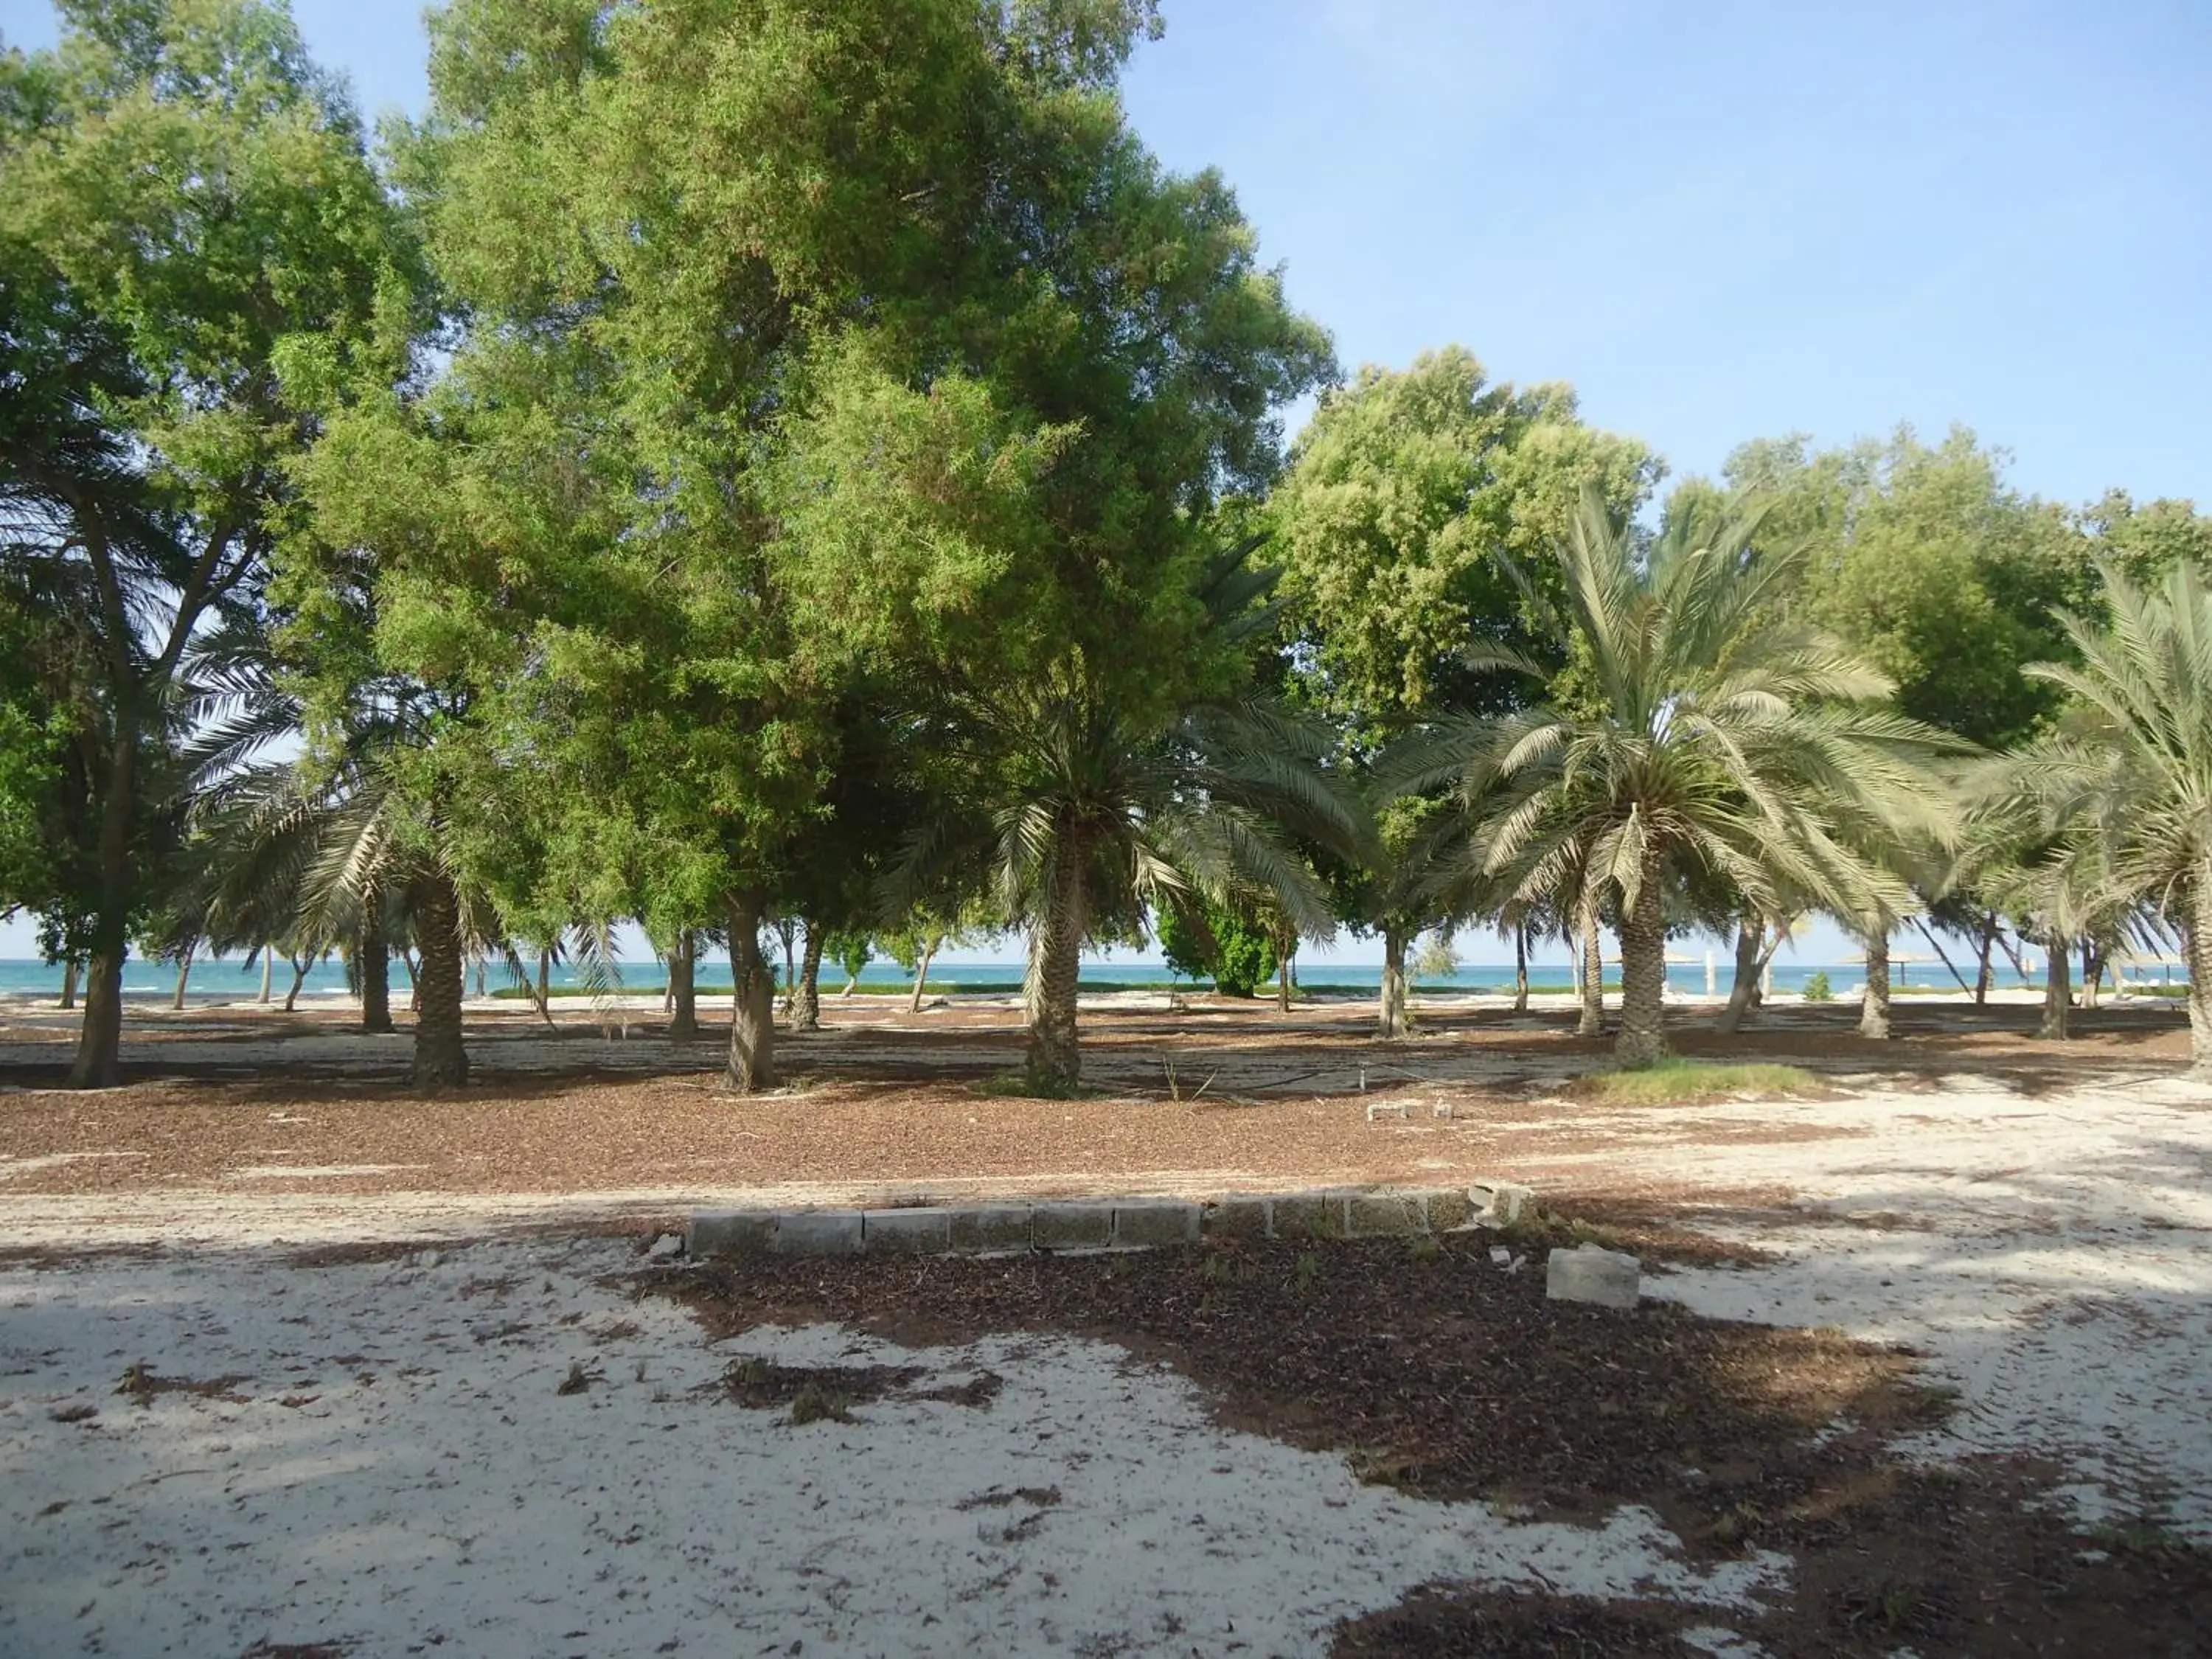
<point x="1243" y="1215"/>
<point x="1074" y="1227"/>
<point x="1608" y="1278"/>
<point x="906" y="1232"/>
<point x="1448" y="1207"/>
<point x="1154" y="1221"/>
<point x="817" y="1233"/>
<point x="1379" y="1110"/>
<point x="989" y="1227"/>
<point x="730" y="1232"/>
<point x="1309" y="1215"/>
<point x="1384" y="1214"/>
<point x="1500" y="1203"/>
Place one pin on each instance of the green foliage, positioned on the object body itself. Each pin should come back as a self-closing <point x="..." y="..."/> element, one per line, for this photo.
<point x="1225" y="943"/>
<point x="1673" y="1080"/>
<point x="1928" y="564"/>
<point x="1816" y="988"/>
<point x="1406" y="492"/>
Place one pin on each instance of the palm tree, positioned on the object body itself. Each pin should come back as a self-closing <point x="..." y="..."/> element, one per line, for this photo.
<point x="1703" y="735"/>
<point x="2126" y="780"/>
<point x="1094" y="807"/>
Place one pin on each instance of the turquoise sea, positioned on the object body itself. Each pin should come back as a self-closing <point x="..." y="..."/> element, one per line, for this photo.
<point x="216" y="977"/>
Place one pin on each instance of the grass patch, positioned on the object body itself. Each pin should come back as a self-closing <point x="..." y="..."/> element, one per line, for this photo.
<point x="1678" y="1081"/>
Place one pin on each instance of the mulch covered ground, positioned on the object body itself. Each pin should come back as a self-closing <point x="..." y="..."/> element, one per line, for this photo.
<point x="1436" y="1370"/>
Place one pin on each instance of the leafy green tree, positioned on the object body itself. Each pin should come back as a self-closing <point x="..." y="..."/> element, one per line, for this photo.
<point x="1720" y="741"/>
<point x="182" y="193"/>
<point x="1225" y="943"/>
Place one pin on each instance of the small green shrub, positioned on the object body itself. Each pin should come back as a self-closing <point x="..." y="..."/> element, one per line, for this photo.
<point x="1816" y="989"/>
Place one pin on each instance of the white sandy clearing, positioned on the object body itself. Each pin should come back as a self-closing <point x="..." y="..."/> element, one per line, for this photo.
<point x="397" y="1469"/>
<point x="2050" y="1253"/>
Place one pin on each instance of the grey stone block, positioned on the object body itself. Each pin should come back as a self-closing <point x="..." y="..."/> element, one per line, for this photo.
<point x="1075" y="1226"/>
<point x="817" y="1233"/>
<point x="1384" y="1214"/>
<point x="1608" y="1278"/>
<point x="1501" y="1202"/>
<point x="1154" y="1221"/>
<point x="1243" y="1215"/>
<point x="1309" y="1215"/>
<point x="730" y="1232"/>
<point x="906" y="1232"/>
<point x="990" y="1227"/>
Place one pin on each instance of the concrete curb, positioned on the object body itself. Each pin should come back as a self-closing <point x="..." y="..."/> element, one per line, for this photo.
<point x="1105" y="1224"/>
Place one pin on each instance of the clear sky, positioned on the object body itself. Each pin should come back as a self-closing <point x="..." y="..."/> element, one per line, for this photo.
<point x="1717" y="221"/>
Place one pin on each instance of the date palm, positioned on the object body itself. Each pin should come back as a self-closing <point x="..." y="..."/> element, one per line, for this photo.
<point x="1699" y="735"/>
<point x="2130" y="768"/>
<point x="1090" y="803"/>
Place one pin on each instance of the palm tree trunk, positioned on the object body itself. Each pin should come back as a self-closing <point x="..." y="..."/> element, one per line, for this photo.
<point x="2057" y="958"/>
<point x="546" y="986"/>
<point x="784" y="930"/>
<point x="70" y="969"/>
<point x="413" y="981"/>
<point x="683" y="987"/>
<point x="441" y="1062"/>
<point x="752" y="1063"/>
<point x="1283" y="984"/>
<point x="1643" y="1037"/>
<point x="1981" y="972"/>
<point x="2092" y="972"/>
<point x="1390" y="1012"/>
<point x="268" y="961"/>
<point x="184" y="973"/>
<point x="1592" y="1022"/>
<point x="300" y="966"/>
<point x="1521" y="968"/>
<point x="922" y="958"/>
<point x="374" y="963"/>
<point x="807" y="1007"/>
<point x="1744" y="988"/>
<point x="2197" y="953"/>
<point x="1056" y="1063"/>
<point x="1874" y="1007"/>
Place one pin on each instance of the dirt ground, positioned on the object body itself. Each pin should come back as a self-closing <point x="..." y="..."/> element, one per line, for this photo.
<point x="1919" y="1369"/>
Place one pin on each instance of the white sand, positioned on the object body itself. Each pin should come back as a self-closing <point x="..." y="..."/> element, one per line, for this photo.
<point x="400" y="1470"/>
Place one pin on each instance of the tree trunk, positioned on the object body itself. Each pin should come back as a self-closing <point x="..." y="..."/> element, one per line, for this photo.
<point x="1982" y="970"/>
<point x="784" y="930"/>
<point x="413" y="981"/>
<point x="683" y="988"/>
<point x="2092" y="972"/>
<point x="806" y="1007"/>
<point x="71" y="967"/>
<point x="373" y="963"/>
<point x="300" y="966"/>
<point x="922" y="958"/>
<point x="1743" y="989"/>
<point x="268" y="961"/>
<point x="1283" y="982"/>
<point x="1874" y="1007"/>
<point x="184" y="974"/>
<point x="752" y="1063"/>
<point x="1056" y="1063"/>
<point x="1643" y="1037"/>
<point x="546" y="986"/>
<point x="99" y="1063"/>
<point x="441" y="1062"/>
<point x="1390" y="1011"/>
<point x="2056" y="959"/>
<point x="1521" y="968"/>
<point x="2197" y="953"/>
<point x="1592" y="1022"/>
<point x="99" y="1045"/>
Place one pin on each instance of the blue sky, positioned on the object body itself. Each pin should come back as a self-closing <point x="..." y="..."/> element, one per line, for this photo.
<point x="1717" y="221"/>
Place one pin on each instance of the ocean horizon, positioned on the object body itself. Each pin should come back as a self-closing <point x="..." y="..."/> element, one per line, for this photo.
<point x="235" y="977"/>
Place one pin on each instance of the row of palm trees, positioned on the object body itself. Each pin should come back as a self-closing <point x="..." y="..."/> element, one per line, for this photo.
<point x="1707" y="758"/>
